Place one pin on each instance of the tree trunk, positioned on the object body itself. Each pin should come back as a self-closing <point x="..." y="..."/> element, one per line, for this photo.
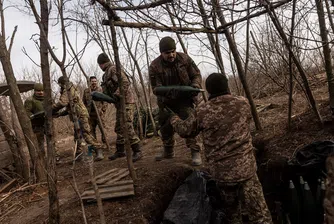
<point x="31" y="140"/>
<point x="291" y="65"/>
<point x="22" y="167"/>
<point x="238" y="63"/>
<point x="215" y="48"/>
<point x="49" y="128"/>
<point x="122" y="99"/>
<point x="326" y="52"/>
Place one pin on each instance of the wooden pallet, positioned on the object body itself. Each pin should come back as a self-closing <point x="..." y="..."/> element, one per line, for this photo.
<point x="110" y="185"/>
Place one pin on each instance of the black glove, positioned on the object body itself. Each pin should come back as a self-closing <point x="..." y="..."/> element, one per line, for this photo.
<point x="172" y="94"/>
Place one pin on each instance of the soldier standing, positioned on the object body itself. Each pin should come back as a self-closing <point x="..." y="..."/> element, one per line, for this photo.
<point x="174" y="68"/>
<point x="80" y="111"/>
<point x="34" y="108"/>
<point x="100" y="106"/>
<point x="224" y="123"/>
<point x="110" y="86"/>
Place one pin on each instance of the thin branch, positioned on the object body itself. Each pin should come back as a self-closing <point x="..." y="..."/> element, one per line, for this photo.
<point x="26" y="53"/>
<point x="182" y="30"/>
<point x="145" y="6"/>
<point x="12" y="40"/>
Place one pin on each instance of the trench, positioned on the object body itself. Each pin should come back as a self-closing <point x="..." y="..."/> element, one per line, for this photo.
<point x="275" y="177"/>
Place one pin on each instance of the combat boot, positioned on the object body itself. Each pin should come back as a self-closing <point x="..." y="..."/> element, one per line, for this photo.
<point x="119" y="152"/>
<point x="137" y="154"/>
<point x="99" y="154"/>
<point x="196" y="159"/>
<point x="166" y="153"/>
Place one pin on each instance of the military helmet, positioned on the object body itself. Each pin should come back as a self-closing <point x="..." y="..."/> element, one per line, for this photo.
<point x="62" y="80"/>
<point x="38" y="86"/>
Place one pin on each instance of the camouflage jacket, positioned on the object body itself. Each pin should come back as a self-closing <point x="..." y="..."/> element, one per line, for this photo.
<point x="79" y="107"/>
<point x="224" y="124"/>
<point x="32" y="106"/>
<point x="87" y="100"/>
<point x="182" y="72"/>
<point x="110" y="84"/>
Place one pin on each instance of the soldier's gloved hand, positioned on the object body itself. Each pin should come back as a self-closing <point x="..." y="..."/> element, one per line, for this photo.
<point x="172" y="94"/>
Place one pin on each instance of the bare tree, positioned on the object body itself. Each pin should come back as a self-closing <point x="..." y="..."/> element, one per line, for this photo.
<point x="326" y="52"/>
<point x="49" y="128"/>
<point x="38" y="164"/>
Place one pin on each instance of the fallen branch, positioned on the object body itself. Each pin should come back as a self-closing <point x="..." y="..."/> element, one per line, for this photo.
<point x="9" y="210"/>
<point x="22" y="188"/>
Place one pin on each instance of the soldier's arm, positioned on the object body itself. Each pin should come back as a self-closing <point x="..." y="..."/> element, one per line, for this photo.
<point x="84" y="97"/>
<point x="28" y="107"/>
<point x="63" y="101"/>
<point x="155" y="79"/>
<point x="185" y="128"/>
<point x="194" y="74"/>
<point x="125" y="83"/>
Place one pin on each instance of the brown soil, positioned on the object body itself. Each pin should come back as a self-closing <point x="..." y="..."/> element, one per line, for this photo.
<point x="157" y="181"/>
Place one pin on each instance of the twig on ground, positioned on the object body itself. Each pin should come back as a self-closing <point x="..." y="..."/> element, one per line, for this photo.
<point x="22" y="188"/>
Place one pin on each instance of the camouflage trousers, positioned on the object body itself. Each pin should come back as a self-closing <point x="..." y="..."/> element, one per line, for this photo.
<point x="94" y="123"/>
<point x="133" y="138"/>
<point x="329" y="195"/>
<point x="167" y="131"/>
<point x="40" y="139"/>
<point x="250" y="193"/>
<point x="86" y="133"/>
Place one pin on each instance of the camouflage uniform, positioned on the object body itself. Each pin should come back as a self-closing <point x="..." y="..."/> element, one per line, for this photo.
<point x="183" y="72"/>
<point x="329" y="195"/>
<point x="34" y="105"/>
<point x="101" y="107"/>
<point x="81" y="112"/>
<point x="224" y="124"/>
<point x="110" y="87"/>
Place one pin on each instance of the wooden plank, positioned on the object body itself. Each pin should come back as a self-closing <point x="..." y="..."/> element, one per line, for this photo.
<point x="118" y="183"/>
<point x="8" y="186"/>
<point x="110" y="194"/>
<point x="114" y="189"/>
<point x="106" y="173"/>
<point x="113" y="175"/>
<point x="117" y="178"/>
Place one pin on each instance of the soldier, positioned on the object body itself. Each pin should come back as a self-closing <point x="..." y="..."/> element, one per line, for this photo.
<point x="224" y="123"/>
<point x="34" y="108"/>
<point x="174" y="68"/>
<point x="110" y="87"/>
<point x="80" y="111"/>
<point x="100" y="105"/>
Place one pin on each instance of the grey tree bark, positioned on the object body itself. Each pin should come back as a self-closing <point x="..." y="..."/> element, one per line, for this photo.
<point x="54" y="216"/>
<point x="326" y="52"/>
